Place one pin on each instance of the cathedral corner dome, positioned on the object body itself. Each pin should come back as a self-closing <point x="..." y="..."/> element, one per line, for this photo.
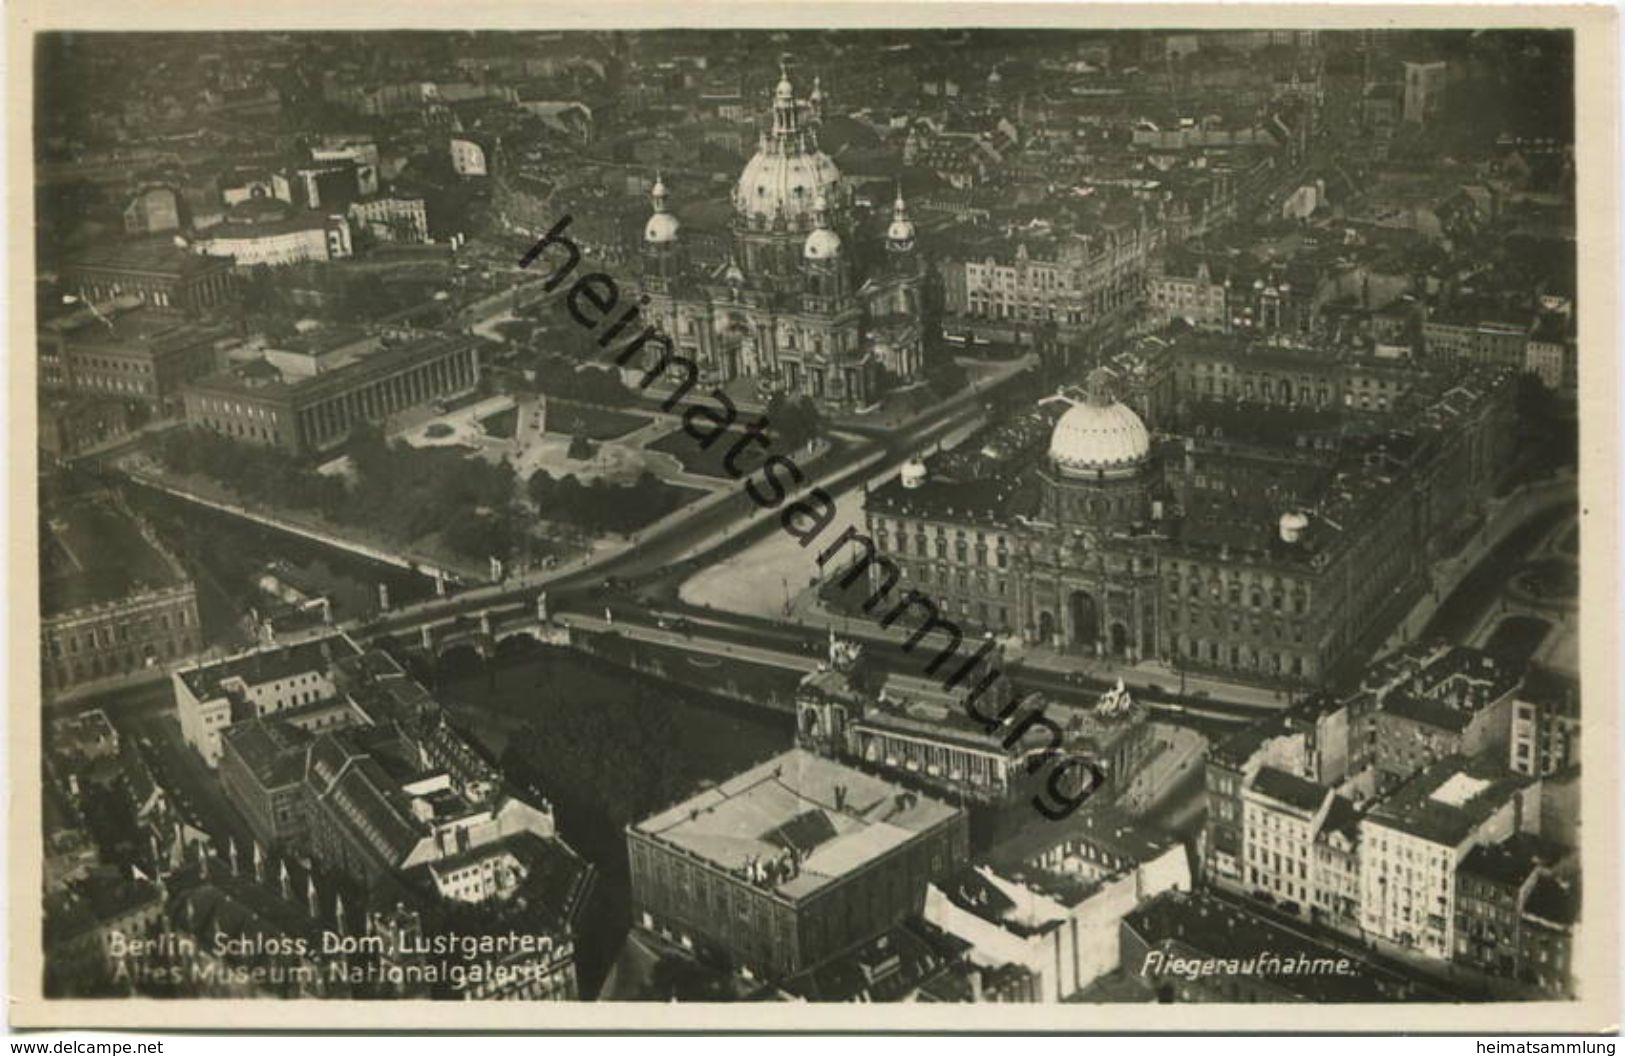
<point x="823" y="243"/>
<point x="1099" y="435"/>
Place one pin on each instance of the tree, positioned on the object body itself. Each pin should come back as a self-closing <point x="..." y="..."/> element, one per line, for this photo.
<point x="260" y="294"/>
<point x="793" y="421"/>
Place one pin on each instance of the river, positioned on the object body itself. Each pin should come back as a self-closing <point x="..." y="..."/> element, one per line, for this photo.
<point x="611" y="746"/>
<point x="225" y="555"/>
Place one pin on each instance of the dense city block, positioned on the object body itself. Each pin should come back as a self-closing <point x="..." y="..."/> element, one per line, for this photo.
<point x="841" y="516"/>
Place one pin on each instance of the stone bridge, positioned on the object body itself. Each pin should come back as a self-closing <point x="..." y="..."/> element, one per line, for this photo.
<point x="482" y="631"/>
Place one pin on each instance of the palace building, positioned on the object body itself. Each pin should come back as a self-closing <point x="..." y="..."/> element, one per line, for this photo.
<point x="1266" y="544"/>
<point x="789" y="306"/>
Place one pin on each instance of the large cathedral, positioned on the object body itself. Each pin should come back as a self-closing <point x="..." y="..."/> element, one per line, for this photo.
<point x="788" y="307"/>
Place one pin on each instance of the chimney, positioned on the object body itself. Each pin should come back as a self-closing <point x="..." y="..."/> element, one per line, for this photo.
<point x="840" y="797"/>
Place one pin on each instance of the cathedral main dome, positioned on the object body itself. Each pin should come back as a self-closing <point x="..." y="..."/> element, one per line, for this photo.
<point x="788" y="173"/>
<point x="1099" y="435"/>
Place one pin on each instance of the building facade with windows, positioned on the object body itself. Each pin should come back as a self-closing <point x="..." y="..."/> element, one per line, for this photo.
<point x="1438" y="702"/>
<point x="1260" y="543"/>
<point x="914" y="731"/>
<point x="113" y="600"/>
<point x="392" y="219"/>
<point x="137" y="356"/>
<point x="278" y="241"/>
<point x="1413" y="842"/>
<point x="1282" y="815"/>
<point x="1545" y="736"/>
<point x="211" y="697"/>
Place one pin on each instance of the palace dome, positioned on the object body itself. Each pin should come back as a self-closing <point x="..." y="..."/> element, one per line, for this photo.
<point x="1099" y="435"/>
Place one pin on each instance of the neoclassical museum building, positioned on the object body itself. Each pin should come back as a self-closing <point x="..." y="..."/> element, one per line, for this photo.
<point x="788" y="307"/>
<point x="1247" y="545"/>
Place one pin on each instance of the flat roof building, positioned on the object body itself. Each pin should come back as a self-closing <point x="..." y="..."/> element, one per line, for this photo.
<point x="134" y="355"/>
<point x="790" y="862"/>
<point x="153" y="270"/>
<point x="304" y="410"/>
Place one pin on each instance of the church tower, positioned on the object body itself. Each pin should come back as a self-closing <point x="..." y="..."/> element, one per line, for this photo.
<point x="824" y="266"/>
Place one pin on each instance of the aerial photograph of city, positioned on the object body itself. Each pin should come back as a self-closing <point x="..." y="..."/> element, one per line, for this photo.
<point x="926" y="515"/>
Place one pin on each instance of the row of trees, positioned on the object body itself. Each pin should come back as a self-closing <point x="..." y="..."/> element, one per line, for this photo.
<point x="602" y="506"/>
<point x="398" y="491"/>
<point x="792" y="421"/>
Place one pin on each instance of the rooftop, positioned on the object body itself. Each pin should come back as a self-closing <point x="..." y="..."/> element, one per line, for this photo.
<point x="268" y="664"/>
<point x="1289" y="789"/>
<point x="912" y="704"/>
<point x="1447" y="687"/>
<point x="138" y="327"/>
<point x="1448" y="800"/>
<point x="86" y="733"/>
<point x="1509" y="863"/>
<point x="1553" y="900"/>
<point x="96" y="901"/>
<point x="1242" y="745"/>
<point x="1107" y="830"/>
<point x="274" y="750"/>
<point x="822" y="819"/>
<point x="888" y="967"/>
<point x="153" y="255"/>
<point x="1560" y="693"/>
<point x="266" y="228"/>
